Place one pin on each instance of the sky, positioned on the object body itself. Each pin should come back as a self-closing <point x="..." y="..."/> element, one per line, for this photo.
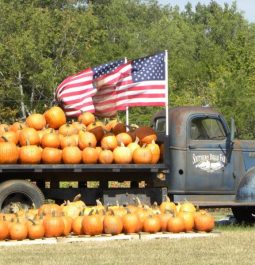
<point x="246" y="6"/>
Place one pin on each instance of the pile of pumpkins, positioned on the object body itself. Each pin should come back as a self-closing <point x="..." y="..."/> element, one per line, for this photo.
<point x="48" y="138"/>
<point x="75" y="218"/>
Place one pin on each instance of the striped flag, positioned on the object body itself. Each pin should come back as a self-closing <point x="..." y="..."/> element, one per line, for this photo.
<point x="114" y="86"/>
<point x="75" y="93"/>
<point x="140" y="82"/>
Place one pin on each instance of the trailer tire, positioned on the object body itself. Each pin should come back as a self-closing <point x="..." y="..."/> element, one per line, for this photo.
<point x="20" y="192"/>
<point x="244" y="214"/>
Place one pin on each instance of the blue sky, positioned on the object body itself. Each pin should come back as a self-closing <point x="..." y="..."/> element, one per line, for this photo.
<point x="247" y="6"/>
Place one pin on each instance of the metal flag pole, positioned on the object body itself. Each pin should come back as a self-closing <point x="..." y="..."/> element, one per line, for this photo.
<point x="166" y="92"/>
<point x="127" y="109"/>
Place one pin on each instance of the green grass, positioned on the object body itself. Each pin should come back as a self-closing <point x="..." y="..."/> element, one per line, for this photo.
<point x="234" y="245"/>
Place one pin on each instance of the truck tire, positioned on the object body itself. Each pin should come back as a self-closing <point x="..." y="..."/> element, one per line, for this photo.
<point x="244" y="214"/>
<point x="21" y="194"/>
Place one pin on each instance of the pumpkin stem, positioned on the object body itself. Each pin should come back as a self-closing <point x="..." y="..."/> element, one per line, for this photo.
<point x="99" y="203"/>
<point x="77" y="197"/>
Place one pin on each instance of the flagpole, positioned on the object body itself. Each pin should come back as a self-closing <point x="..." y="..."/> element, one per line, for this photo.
<point x="166" y="92"/>
<point x="127" y="109"/>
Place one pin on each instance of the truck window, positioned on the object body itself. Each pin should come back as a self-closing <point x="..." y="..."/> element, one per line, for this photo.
<point x="207" y="129"/>
<point x="160" y="125"/>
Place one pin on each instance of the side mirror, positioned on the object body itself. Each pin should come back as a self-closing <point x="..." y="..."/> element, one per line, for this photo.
<point x="232" y="130"/>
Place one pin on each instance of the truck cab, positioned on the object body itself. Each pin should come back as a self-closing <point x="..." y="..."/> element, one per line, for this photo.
<point x="206" y="164"/>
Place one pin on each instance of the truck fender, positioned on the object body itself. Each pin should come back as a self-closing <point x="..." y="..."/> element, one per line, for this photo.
<point x="246" y="188"/>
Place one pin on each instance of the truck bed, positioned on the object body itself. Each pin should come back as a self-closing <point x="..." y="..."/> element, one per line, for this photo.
<point x="78" y="172"/>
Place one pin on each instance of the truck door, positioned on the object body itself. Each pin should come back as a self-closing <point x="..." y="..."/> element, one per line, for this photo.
<point x="208" y="166"/>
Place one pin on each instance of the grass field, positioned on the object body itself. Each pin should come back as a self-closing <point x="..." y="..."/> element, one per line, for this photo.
<point x="234" y="245"/>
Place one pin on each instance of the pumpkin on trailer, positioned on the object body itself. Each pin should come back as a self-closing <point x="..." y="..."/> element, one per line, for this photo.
<point x="50" y="139"/>
<point x="69" y="140"/>
<point x="36" y="121"/>
<point x="142" y="155"/>
<point x="124" y="138"/>
<point x="86" y="139"/>
<point x="29" y="136"/>
<point x="9" y="153"/>
<point x="155" y="151"/>
<point x="10" y="136"/>
<point x="51" y="155"/>
<point x="67" y="129"/>
<point x="86" y="118"/>
<point x="105" y="157"/>
<point x="146" y="134"/>
<point x="90" y="155"/>
<point x="122" y="155"/>
<point x="71" y="155"/>
<point x="30" y="154"/>
<point x="109" y="141"/>
<point x="55" y="117"/>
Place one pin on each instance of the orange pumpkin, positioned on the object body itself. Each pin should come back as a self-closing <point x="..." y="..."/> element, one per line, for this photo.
<point x="155" y="151"/>
<point x="18" y="230"/>
<point x="86" y="118"/>
<point x="51" y="155"/>
<point x="67" y="129"/>
<point x="90" y="155"/>
<point x="36" y="230"/>
<point x="55" y="117"/>
<point x="50" y="140"/>
<point x="36" y="121"/>
<point x="109" y="142"/>
<point x="71" y="155"/>
<point x="176" y="224"/>
<point x="124" y="138"/>
<point x="142" y="155"/>
<point x="188" y="219"/>
<point x="9" y="153"/>
<point x="106" y="157"/>
<point x="204" y="221"/>
<point x="92" y="224"/>
<point x="4" y="231"/>
<point x="30" y="154"/>
<point x="167" y="205"/>
<point x="112" y="224"/>
<point x="131" y="223"/>
<point x="151" y="224"/>
<point x="54" y="225"/>
<point x="29" y="136"/>
<point x="86" y="139"/>
<point x="122" y="155"/>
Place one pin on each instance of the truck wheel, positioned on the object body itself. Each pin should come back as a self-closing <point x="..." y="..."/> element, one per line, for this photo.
<point x="16" y="194"/>
<point x="244" y="214"/>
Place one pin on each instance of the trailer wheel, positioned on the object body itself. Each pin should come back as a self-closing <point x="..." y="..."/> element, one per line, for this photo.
<point x="244" y="214"/>
<point x="15" y="194"/>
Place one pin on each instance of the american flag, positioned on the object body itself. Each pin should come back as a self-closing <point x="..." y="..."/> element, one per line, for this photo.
<point x="114" y="86"/>
<point x="75" y="93"/>
<point x="141" y="82"/>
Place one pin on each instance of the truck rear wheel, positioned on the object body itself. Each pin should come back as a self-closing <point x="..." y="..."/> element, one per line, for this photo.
<point x="19" y="194"/>
<point x="244" y="214"/>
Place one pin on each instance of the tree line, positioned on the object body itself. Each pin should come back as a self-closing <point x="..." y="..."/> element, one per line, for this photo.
<point x="211" y="52"/>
